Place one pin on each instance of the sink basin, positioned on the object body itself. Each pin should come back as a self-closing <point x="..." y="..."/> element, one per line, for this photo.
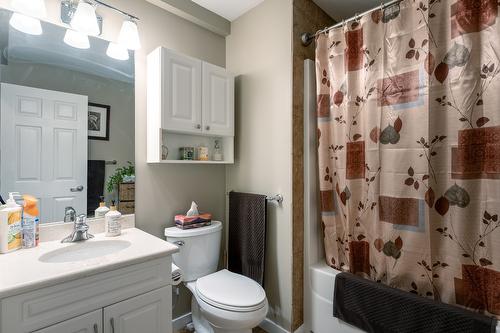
<point x="84" y="250"/>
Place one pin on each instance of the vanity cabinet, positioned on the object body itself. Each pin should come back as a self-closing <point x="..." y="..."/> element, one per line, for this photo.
<point x="132" y="299"/>
<point x="188" y="100"/>
<point x="145" y="313"/>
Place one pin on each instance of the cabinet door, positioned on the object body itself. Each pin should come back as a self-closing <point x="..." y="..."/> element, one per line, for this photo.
<point x="182" y="93"/>
<point x="87" y="323"/>
<point x="218" y="101"/>
<point x="147" y="313"/>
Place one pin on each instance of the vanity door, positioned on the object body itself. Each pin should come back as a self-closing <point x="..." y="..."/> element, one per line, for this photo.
<point x="87" y="323"/>
<point x="147" y="313"/>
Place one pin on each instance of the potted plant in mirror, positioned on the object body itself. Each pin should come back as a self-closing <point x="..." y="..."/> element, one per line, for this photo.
<point x="120" y="174"/>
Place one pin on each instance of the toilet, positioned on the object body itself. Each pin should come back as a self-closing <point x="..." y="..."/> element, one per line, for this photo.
<point x="222" y="301"/>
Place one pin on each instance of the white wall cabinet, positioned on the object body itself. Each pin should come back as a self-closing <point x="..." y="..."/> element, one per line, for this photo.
<point x="190" y="97"/>
<point x="181" y="93"/>
<point x="218" y="101"/>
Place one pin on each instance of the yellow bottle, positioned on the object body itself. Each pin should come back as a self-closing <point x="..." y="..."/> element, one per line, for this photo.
<point x="10" y="226"/>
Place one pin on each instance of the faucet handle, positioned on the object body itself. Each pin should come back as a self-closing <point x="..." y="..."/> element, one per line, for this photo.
<point x="81" y="220"/>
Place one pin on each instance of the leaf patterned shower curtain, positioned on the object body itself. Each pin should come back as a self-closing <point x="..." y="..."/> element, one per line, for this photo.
<point x="409" y="149"/>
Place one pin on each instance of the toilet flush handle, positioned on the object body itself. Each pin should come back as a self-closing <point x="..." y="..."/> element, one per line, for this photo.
<point x="179" y="243"/>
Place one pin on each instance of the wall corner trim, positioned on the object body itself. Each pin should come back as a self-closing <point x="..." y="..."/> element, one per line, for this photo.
<point x="196" y="14"/>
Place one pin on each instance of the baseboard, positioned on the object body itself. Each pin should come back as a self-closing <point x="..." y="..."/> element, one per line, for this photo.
<point x="181" y="321"/>
<point x="300" y="329"/>
<point x="271" y="327"/>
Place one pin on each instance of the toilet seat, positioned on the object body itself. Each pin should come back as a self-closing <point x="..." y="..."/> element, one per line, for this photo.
<point x="230" y="291"/>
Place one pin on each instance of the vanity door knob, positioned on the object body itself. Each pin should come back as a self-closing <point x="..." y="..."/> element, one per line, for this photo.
<point x="96" y="328"/>
<point x="207" y="128"/>
<point x="112" y="322"/>
<point x="198" y="126"/>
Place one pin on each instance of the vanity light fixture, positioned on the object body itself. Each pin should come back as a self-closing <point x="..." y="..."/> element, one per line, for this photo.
<point x="26" y="16"/>
<point x="129" y="35"/>
<point x="82" y="16"/>
<point x="85" y="19"/>
<point x="117" y="51"/>
<point x="76" y="39"/>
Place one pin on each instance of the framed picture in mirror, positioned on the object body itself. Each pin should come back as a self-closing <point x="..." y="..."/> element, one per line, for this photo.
<point x="98" y="121"/>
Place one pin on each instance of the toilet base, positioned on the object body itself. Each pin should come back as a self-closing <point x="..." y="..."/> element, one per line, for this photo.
<point x="202" y="325"/>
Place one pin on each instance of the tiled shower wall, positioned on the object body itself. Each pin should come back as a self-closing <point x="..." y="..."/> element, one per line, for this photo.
<point x="307" y="17"/>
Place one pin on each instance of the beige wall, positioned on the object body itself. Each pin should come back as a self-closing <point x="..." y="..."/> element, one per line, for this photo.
<point x="164" y="190"/>
<point x="259" y="52"/>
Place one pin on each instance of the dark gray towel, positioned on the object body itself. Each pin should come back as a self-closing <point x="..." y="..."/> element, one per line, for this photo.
<point x="375" y="307"/>
<point x="95" y="184"/>
<point x="247" y="235"/>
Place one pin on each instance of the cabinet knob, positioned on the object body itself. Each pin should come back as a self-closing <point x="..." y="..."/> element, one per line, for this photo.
<point x="96" y="328"/>
<point x="198" y="126"/>
<point x="207" y="128"/>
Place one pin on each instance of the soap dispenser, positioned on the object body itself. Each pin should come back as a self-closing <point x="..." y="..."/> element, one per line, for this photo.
<point x="102" y="209"/>
<point x="10" y="225"/>
<point x="112" y="222"/>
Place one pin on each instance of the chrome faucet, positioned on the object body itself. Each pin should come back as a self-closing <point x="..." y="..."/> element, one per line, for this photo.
<point x="80" y="230"/>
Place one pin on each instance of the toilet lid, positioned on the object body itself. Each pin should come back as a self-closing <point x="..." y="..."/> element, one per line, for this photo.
<point x="230" y="291"/>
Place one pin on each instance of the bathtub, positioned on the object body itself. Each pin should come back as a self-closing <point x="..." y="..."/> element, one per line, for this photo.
<point x="320" y="316"/>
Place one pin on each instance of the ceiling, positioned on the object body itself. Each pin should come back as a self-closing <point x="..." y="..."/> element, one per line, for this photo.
<point x="229" y="9"/>
<point x="344" y="9"/>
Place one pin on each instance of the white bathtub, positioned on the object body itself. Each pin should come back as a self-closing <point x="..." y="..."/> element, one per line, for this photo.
<point x="322" y="280"/>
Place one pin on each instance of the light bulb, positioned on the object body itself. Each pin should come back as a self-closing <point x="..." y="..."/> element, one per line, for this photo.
<point x="35" y="8"/>
<point x="85" y="19"/>
<point x="76" y="39"/>
<point x="117" y="51"/>
<point x="26" y="24"/>
<point x="129" y="35"/>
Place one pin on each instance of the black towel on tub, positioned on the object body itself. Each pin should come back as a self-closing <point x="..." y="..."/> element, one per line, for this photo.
<point x="247" y="235"/>
<point x="374" y="307"/>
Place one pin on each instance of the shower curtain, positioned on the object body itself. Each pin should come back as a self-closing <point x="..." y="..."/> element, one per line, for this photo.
<point x="409" y="149"/>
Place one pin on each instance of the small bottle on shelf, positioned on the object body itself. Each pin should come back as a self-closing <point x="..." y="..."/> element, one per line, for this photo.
<point x="217" y="151"/>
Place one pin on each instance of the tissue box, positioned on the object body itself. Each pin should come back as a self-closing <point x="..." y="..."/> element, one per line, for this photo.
<point x="189" y="222"/>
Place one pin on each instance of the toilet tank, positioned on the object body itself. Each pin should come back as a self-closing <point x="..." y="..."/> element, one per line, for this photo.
<point x="199" y="249"/>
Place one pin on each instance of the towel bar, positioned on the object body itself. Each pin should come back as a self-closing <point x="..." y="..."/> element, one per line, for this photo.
<point x="278" y="197"/>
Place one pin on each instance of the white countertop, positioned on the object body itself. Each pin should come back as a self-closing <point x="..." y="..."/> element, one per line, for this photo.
<point x="22" y="271"/>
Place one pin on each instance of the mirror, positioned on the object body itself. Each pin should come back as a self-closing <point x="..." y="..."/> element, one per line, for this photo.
<point x="66" y="122"/>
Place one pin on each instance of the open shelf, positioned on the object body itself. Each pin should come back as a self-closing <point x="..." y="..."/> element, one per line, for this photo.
<point x="174" y="140"/>
<point x="194" y="162"/>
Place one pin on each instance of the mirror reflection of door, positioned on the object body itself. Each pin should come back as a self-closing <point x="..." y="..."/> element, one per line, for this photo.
<point x="44" y="147"/>
<point x="67" y="121"/>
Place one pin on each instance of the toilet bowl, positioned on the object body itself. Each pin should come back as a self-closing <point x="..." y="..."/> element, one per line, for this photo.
<point x="222" y="301"/>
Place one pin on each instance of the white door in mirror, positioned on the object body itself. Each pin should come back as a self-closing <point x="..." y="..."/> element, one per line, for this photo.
<point x="43" y="147"/>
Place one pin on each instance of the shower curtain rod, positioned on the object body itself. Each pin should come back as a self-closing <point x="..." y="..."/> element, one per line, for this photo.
<point x="307" y="37"/>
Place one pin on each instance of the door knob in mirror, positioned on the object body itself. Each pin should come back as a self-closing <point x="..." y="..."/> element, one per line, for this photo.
<point x="79" y="188"/>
